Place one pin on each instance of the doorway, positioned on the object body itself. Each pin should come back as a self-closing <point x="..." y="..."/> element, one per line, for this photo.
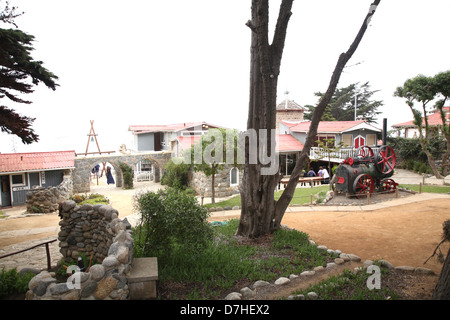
<point x="5" y="187"/>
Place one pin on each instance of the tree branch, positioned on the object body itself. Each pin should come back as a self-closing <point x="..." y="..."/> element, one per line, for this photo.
<point x="286" y="196"/>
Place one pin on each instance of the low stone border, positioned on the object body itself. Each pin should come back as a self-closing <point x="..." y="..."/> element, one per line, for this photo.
<point x="105" y="281"/>
<point x="248" y="294"/>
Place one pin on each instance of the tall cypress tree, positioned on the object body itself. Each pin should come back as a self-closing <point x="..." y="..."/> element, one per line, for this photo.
<point x="17" y="68"/>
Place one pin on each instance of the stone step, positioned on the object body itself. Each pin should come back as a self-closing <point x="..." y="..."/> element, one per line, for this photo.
<point x="142" y="278"/>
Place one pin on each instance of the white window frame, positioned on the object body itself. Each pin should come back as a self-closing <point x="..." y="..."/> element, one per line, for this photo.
<point x="237" y="177"/>
<point x="18" y="184"/>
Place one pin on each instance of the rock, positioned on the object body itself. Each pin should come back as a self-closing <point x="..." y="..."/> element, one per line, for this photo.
<point x="322" y="247"/>
<point x="386" y="264"/>
<point x="282" y="280"/>
<point x="97" y="272"/>
<point x="68" y="205"/>
<point x="247" y="293"/>
<point x="312" y="295"/>
<point x="331" y="265"/>
<point x="293" y="276"/>
<point x="104" y="288"/>
<point x="233" y="296"/>
<point x="422" y="270"/>
<point x="300" y="297"/>
<point x="307" y="273"/>
<point x="110" y="262"/>
<point x="405" y="268"/>
<point x="319" y="268"/>
<point x="339" y="261"/>
<point x="89" y="289"/>
<point x="367" y="263"/>
<point x="236" y="208"/>
<point x="260" y="283"/>
<point x="353" y="257"/>
<point x="42" y="285"/>
<point x="344" y="256"/>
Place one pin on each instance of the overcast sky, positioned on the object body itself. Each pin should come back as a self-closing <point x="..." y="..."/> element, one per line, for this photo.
<point x="123" y="63"/>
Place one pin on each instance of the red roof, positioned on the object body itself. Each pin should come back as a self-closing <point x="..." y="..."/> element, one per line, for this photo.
<point x="326" y="126"/>
<point x="136" y="129"/>
<point x="188" y="141"/>
<point x="22" y="162"/>
<point x="434" y="119"/>
<point x="287" y="143"/>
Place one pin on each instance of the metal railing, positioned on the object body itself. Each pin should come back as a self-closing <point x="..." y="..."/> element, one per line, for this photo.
<point x="317" y="153"/>
<point x="47" y="250"/>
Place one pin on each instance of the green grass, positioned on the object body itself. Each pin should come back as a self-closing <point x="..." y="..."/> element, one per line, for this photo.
<point x="228" y="264"/>
<point x="349" y="286"/>
<point x="426" y="188"/>
<point x="301" y="196"/>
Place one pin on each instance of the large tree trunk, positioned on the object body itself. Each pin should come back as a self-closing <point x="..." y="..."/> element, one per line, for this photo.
<point x="260" y="213"/>
<point x="442" y="289"/>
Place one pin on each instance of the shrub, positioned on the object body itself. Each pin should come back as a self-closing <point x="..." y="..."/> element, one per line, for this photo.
<point x="11" y="282"/>
<point x="175" y="175"/>
<point x="128" y="175"/>
<point x="171" y="220"/>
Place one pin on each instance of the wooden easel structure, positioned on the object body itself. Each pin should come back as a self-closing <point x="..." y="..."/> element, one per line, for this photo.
<point x="91" y="137"/>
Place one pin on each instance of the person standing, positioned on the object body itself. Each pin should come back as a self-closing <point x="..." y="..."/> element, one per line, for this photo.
<point x="109" y="177"/>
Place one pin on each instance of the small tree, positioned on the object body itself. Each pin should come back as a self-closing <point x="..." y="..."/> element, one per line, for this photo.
<point x="127" y="174"/>
<point x="420" y="89"/>
<point x="210" y="153"/>
<point x="442" y="88"/>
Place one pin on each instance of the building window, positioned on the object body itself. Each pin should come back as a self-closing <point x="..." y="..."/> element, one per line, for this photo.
<point x="347" y="139"/>
<point x="371" y="139"/>
<point x="234" y="176"/>
<point x="18" y="179"/>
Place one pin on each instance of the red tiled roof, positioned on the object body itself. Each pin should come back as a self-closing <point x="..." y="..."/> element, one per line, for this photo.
<point x="136" y="129"/>
<point x="434" y="119"/>
<point x="287" y="143"/>
<point x="21" y="162"/>
<point x="326" y="126"/>
<point x="329" y="126"/>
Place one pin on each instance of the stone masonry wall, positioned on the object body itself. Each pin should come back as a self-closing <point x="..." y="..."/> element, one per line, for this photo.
<point x="95" y="229"/>
<point x="48" y="199"/>
<point x="84" y="165"/>
<point x="201" y="184"/>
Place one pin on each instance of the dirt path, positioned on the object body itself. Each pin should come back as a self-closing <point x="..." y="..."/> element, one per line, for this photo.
<point x="403" y="235"/>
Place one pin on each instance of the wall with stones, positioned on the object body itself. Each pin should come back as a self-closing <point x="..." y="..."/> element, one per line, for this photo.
<point x="106" y="280"/>
<point x="201" y="184"/>
<point x="84" y="165"/>
<point x="48" y="199"/>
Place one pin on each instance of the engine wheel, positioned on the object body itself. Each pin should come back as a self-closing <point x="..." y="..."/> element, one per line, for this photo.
<point x="388" y="185"/>
<point x="385" y="160"/>
<point x="363" y="184"/>
<point x="364" y="152"/>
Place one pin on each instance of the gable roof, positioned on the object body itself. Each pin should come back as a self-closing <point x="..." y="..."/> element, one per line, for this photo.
<point x="138" y="129"/>
<point x="36" y="161"/>
<point x="331" y="126"/>
<point x="287" y="105"/>
<point x="434" y="119"/>
<point x="287" y="143"/>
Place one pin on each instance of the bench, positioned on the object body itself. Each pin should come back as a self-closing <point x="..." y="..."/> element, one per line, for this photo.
<point x="311" y="180"/>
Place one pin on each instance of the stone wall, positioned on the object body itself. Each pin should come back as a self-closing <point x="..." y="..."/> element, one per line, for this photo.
<point x="96" y="230"/>
<point x="48" y="199"/>
<point x="201" y="184"/>
<point x="84" y="165"/>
